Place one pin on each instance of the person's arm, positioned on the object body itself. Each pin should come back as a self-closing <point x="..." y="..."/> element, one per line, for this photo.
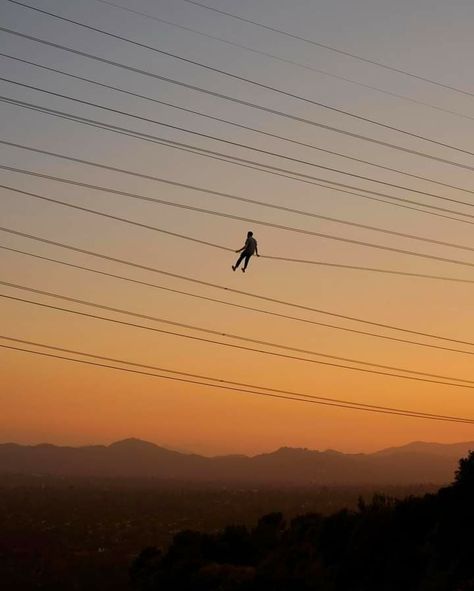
<point x="256" y="249"/>
<point x="244" y="246"/>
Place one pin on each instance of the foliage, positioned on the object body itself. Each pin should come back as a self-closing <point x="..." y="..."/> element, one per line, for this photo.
<point x="416" y="544"/>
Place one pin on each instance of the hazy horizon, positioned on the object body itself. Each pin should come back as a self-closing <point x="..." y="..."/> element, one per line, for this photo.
<point x="250" y="453"/>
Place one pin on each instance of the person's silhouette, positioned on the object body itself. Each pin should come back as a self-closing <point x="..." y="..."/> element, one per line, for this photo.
<point x="247" y="251"/>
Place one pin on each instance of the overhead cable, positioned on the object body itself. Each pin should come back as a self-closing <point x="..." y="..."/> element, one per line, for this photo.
<point x="239" y="101"/>
<point x="240" y="78"/>
<point x="230" y="289"/>
<point x="240" y="145"/>
<point x="334" y="49"/>
<point x="220" y="246"/>
<point x="288" y="61"/>
<point x="228" y="215"/>
<point x="223" y="384"/>
<point x="249" y="128"/>
<point x="231" y="304"/>
<point x="234" y="160"/>
<point x="230" y="345"/>
<point x="446" y="379"/>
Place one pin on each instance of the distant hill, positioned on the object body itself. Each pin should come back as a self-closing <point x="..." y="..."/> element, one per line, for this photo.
<point x="417" y="462"/>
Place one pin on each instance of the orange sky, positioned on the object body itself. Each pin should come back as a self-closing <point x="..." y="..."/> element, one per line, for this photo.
<point x="60" y="402"/>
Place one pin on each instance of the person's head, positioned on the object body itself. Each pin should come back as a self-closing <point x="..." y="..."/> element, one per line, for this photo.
<point x="249" y="234"/>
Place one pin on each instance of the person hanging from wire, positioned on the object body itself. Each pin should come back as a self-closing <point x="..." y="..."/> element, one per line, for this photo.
<point x="247" y="251"/>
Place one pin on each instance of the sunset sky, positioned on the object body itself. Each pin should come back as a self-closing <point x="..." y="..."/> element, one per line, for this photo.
<point x="49" y="400"/>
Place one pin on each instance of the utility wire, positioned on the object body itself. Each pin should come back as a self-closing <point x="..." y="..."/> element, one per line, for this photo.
<point x="195" y="151"/>
<point x="238" y="101"/>
<point x="241" y="78"/>
<point x="318" y="263"/>
<point x="119" y="219"/>
<point x="354" y="407"/>
<point x="247" y="127"/>
<point x="351" y="268"/>
<point x="231" y="304"/>
<point x="141" y="372"/>
<point x="323" y="264"/>
<point x="442" y="379"/>
<point x="227" y="215"/>
<point x="234" y="160"/>
<point x="334" y="49"/>
<point x="238" y="145"/>
<point x="229" y="289"/>
<point x="175" y="183"/>
<point x="220" y="246"/>
<point x="221" y="382"/>
<point x="287" y="61"/>
<point x="219" y="333"/>
<point x="227" y="196"/>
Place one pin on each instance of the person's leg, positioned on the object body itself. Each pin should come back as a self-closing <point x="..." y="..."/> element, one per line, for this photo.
<point x="239" y="260"/>
<point x="247" y="259"/>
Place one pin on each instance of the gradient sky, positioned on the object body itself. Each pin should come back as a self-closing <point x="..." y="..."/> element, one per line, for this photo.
<point x="61" y="402"/>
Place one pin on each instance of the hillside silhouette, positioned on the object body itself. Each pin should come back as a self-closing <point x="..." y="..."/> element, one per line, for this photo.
<point x="132" y="458"/>
<point x="416" y="544"/>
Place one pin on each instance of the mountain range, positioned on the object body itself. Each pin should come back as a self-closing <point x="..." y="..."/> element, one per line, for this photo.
<point x="416" y="462"/>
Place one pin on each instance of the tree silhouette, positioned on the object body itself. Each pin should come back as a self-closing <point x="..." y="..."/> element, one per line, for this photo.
<point x="416" y="544"/>
<point x="465" y="473"/>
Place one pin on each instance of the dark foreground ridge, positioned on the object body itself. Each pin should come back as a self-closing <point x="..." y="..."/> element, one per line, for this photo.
<point x="132" y="458"/>
<point x="416" y="544"/>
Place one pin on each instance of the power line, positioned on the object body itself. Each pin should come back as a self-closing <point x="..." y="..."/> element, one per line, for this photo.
<point x="119" y="219"/>
<point x="271" y="393"/>
<point x="238" y="101"/>
<point x="309" y="397"/>
<point x="229" y="289"/>
<point x="465" y="383"/>
<point x="227" y="196"/>
<point x="220" y="380"/>
<point x="231" y="304"/>
<point x="236" y="161"/>
<point x="330" y="265"/>
<point x="221" y="247"/>
<point x="240" y="145"/>
<point x="241" y="78"/>
<point x="288" y="61"/>
<point x="208" y="191"/>
<point x="196" y="151"/>
<point x="359" y="268"/>
<point x="248" y="128"/>
<point x="226" y="215"/>
<point x="239" y="347"/>
<point x="334" y="49"/>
